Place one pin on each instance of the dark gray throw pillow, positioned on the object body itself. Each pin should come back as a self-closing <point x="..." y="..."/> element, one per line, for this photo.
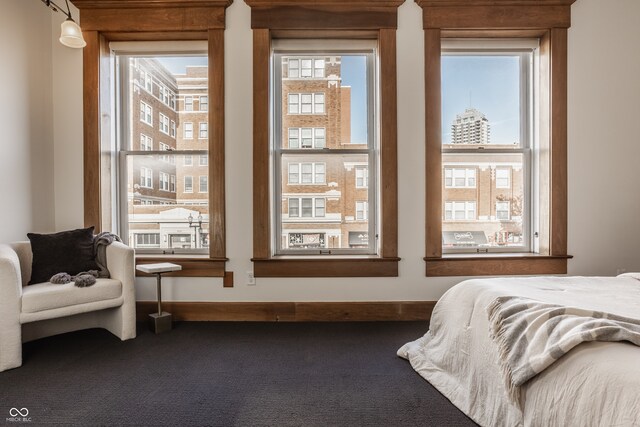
<point x="69" y="252"/>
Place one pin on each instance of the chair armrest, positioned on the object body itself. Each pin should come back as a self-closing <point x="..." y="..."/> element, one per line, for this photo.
<point x="10" y="282"/>
<point x="121" y="263"/>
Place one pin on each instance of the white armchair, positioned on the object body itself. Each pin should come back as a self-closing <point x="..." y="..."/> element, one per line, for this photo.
<point x="44" y="309"/>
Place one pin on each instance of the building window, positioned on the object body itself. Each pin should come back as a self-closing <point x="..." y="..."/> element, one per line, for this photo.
<point x="307" y="137"/>
<point x="487" y="141"/>
<point x="204" y="131"/>
<point x="188" y="160"/>
<point x="188" y="130"/>
<point x="164" y="124"/>
<point x="146" y="113"/>
<point x="147" y="81"/>
<point x="362" y="177"/>
<point x="362" y="211"/>
<point x="188" y="103"/>
<point x="307" y="173"/>
<point x="306" y="103"/>
<point x="146" y="177"/>
<point x="204" y="184"/>
<point x="172" y="184"/>
<point x="307" y="207"/>
<point x="503" y="178"/>
<point x="147" y="240"/>
<point x="173" y="129"/>
<point x="188" y="184"/>
<point x="204" y="160"/>
<point x="459" y="211"/>
<point x="146" y="143"/>
<point x="305" y="68"/>
<point x="459" y="178"/>
<point x="503" y="211"/>
<point x="164" y="181"/>
<point x="167" y="158"/>
<point x="204" y="103"/>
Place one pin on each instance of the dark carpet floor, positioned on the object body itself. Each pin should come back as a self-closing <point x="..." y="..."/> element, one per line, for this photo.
<point x="228" y="374"/>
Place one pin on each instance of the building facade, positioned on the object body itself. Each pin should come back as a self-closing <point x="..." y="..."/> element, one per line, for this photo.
<point x="470" y="127"/>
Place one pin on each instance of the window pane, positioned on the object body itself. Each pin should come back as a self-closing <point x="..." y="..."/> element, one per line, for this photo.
<point x="481" y="100"/>
<point x="337" y="112"/>
<point x="484" y="214"/>
<point x="160" y="199"/>
<point x="324" y="202"/>
<point x="169" y="94"/>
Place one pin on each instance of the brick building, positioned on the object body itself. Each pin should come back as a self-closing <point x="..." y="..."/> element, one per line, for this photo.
<point x="324" y="197"/>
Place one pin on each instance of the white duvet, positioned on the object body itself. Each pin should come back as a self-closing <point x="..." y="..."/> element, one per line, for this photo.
<point x="595" y="384"/>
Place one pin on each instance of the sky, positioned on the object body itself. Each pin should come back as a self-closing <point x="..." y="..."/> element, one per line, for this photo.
<point x="490" y="84"/>
<point x="354" y="71"/>
<point x="178" y="64"/>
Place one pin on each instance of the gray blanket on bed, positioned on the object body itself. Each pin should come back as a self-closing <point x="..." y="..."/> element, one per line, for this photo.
<point x="532" y="335"/>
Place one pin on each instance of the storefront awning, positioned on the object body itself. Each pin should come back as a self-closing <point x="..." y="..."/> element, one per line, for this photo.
<point x="456" y="238"/>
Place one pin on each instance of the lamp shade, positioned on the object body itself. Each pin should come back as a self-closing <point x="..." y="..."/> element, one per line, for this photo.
<point x="71" y="34"/>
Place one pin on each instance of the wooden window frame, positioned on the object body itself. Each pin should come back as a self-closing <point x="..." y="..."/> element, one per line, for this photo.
<point x="350" y="19"/>
<point x="549" y="22"/>
<point x="104" y="21"/>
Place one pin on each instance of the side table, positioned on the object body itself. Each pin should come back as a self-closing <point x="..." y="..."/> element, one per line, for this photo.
<point x="161" y="321"/>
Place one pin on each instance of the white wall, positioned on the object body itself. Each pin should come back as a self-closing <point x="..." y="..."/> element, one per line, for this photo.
<point x="604" y="204"/>
<point x="26" y="169"/>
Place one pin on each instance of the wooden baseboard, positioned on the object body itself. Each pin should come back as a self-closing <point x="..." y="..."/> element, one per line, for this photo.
<point x="292" y="311"/>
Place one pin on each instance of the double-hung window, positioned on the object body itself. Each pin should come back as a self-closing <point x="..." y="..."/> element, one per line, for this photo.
<point x="487" y="142"/>
<point x="324" y="132"/>
<point x="156" y="194"/>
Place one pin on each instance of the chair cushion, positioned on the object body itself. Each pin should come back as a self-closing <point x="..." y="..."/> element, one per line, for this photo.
<point x="65" y="252"/>
<point x="47" y="296"/>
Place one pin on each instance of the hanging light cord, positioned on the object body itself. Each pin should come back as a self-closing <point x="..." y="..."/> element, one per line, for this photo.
<point x="57" y="8"/>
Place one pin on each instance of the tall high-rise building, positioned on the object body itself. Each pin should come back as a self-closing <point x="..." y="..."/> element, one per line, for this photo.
<point x="470" y="127"/>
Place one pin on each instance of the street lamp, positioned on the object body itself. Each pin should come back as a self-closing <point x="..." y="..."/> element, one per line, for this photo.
<point x="196" y="227"/>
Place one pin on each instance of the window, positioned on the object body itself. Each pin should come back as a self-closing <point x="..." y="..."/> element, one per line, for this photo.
<point x="165" y="94"/>
<point x="146" y="177"/>
<point x="188" y="184"/>
<point x="147" y="81"/>
<point x="459" y="178"/>
<point x="172" y="184"/>
<point x="362" y="211"/>
<point x="164" y="124"/>
<point x="360" y="68"/>
<point x="203" y="130"/>
<point x="146" y="142"/>
<point x="503" y="211"/>
<point x="173" y="129"/>
<point x="204" y="103"/>
<point x="188" y="130"/>
<point x="306" y="207"/>
<point x="168" y="158"/>
<point x="362" y="177"/>
<point x="188" y="160"/>
<point x="204" y="35"/>
<point x="147" y="239"/>
<point x="307" y="173"/>
<point x="503" y="178"/>
<point x="305" y="68"/>
<point x="146" y="113"/>
<point x="307" y="137"/>
<point x="459" y="211"/>
<point x="188" y="103"/>
<point x="306" y="103"/>
<point x="164" y="181"/>
<point x="487" y="141"/>
<point x="204" y="184"/>
<point x="204" y="160"/>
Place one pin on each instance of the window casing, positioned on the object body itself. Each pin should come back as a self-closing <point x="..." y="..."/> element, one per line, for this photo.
<point x="188" y="103"/>
<point x="164" y="124"/>
<point x="307" y="137"/>
<point x="188" y="130"/>
<point x="306" y="103"/>
<point x="460" y="178"/>
<point x="204" y="103"/>
<point x="204" y="130"/>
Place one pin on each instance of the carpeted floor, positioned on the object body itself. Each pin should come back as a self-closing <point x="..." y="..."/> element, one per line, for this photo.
<point x="228" y="374"/>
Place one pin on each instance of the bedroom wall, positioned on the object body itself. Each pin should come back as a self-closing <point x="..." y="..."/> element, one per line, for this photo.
<point x="26" y="170"/>
<point x="603" y="202"/>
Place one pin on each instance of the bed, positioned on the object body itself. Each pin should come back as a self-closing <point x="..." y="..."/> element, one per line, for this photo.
<point x="593" y="384"/>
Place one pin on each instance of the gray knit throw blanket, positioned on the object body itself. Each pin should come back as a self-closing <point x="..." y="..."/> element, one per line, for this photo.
<point x="532" y="335"/>
<point x="100" y="243"/>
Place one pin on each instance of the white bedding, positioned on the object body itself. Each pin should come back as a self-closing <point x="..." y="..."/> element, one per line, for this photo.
<point x="595" y="384"/>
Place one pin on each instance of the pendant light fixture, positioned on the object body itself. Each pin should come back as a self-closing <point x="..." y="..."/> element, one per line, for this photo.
<point x="70" y="32"/>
